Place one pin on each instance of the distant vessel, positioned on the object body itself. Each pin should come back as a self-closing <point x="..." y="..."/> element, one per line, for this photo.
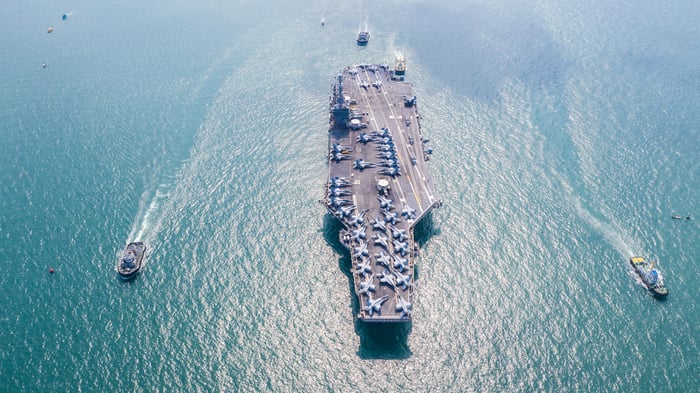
<point x="678" y="217"/>
<point x="363" y="38"/>
<point x="130" y="263"/>
<point x="400" y="66"/>
<point x="651" y="277"/>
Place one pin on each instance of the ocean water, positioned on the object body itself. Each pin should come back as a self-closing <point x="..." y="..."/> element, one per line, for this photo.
<point x="565" y="137"/>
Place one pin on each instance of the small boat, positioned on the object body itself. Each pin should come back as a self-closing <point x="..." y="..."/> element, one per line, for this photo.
<point x="363" y="38"/>
<point x="400" y="66"/>
<point x="650" y="276"/>
<point x="678" y="216"/>
<point x="130" y="263"/>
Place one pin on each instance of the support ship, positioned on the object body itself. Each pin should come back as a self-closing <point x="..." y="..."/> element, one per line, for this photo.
<point x="378" y="184"/>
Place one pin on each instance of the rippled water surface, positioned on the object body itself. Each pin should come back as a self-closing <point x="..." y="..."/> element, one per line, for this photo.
<point x="565" y="137"/>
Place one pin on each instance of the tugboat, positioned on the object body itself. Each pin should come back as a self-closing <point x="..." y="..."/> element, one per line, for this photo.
<point x="363" y="38"/>
<point x="651" y="277"/>
<point x="130" y="263"/>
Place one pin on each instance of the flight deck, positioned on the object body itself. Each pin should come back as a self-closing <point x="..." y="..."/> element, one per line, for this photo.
<point x="379" y="185"/>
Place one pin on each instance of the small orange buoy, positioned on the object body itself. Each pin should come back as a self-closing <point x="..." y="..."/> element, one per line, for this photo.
<point x="50" y="269"/>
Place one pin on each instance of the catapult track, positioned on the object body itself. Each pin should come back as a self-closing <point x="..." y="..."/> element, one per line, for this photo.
<point x="378" y="186"/>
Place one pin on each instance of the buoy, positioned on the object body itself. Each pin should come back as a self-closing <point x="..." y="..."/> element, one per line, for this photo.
<point x="50" y="270"/>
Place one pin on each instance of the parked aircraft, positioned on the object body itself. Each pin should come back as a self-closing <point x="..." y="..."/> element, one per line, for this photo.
<point x="339" y="182"/>
<point x="374" y="305"/>
<point x="362" y="164"/>
<point x="400" y="263"/>
<point x="393" y="218"/>
<point x="337" y="202"/>
<point x="345" y="211"/>
<point x="388" y="279"/>
<point x="336" y="192"/>
<point x="363" y="267"/>
<point x="361" y="250"/>
<point x="400" y="247"/>
<point x="364" y="138"/>
<point x="408" y="212"/>
<point x="403" y="281"/>
<point x="393" y="172"/>
<point x="357" y="220"/>
<point x="337" y="148"/>
<point x="404" y="306"/>
<point x="399" y="234"/>
<point x="378" y="224"/>
<point x="385" y="203"/>
<point x="367" y="286"/>
<point x="359" y="234"/>
<point x="338" y="156"/>
<point x="380" y="240"/>
<point x="382" y="258"/>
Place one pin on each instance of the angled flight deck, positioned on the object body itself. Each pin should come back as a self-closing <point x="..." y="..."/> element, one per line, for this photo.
<point x="379" y="185"/>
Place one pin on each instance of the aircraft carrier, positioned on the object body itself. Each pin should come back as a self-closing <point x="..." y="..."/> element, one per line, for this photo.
<point x="378" y="184"/>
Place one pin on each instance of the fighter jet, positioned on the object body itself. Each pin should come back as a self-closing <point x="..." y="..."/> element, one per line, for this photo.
<point x="386" y="147"/>
<point x="364" y="85"/>
<point x="361" y="250"/>
<point x="336" y="192"/>
<point x="377" y="84"/>
<point x="400" y="263"/>
<point x="382" y="259"/>
<point x="393" y="172"/>
<point x="399" y="247"/>
<point x="388" y="279"/>
<point x="345" y="211"/>
<point x="385" y="203"/>
<point x="359" y="234"/>
<point x="357" y="220"/>
<point x="379" y="225"/>
<point x="338" y="156"/>
<point x="362" y="164"/>
<point x="380" y="240"/>
<point x="386" y="155"/>
<point x="367" y="286"/>
<point x="403" y="281"/>
<point x="337" y="148"/>
<point x="337" y="202"/>
<point x="363" y="267"/>
<point x="409" y="102"/>
<point x="389" y="163"/>
<point x="374" y="305"/>
<point x="404" y="306"/>
<point x="399" y="234"/>
<point x="339" y="182"/>
<point x="364" y="138"/>
<point x="383" y="133"/>
<point x="393" y="218"/>
<point x="408" y="212"/>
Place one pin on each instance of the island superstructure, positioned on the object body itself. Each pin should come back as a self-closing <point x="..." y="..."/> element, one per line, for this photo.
<point x="379" y="186"/>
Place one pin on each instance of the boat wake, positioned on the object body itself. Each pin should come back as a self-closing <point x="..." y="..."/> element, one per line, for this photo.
<point x="146" y="224"/>
<point x="614" y="234"/>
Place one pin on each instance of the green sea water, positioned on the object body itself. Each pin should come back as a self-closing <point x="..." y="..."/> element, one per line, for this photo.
<point x="565" y="136"/>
